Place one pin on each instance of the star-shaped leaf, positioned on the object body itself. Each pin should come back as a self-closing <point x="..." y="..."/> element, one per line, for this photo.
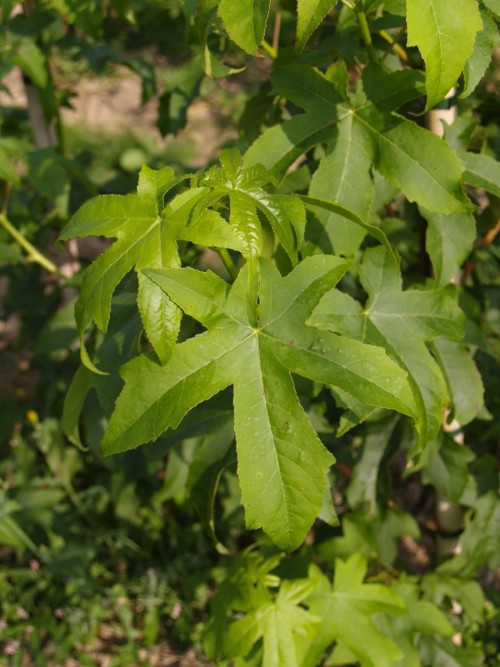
<point x="401" y="322"/>
<point x="346" y="609"/>
<point x="147" y="233"/>
<point x="411" y="158"/>
<point x="249" y="200"/>
<point x="281" y="461"/>
<point x="277" y="621"/>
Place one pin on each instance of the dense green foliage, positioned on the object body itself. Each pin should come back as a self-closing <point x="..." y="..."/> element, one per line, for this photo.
<point x="303" y="335"/>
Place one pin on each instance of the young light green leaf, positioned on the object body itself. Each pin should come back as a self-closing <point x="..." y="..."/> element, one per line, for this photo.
<point x="310" y="13"/>
<point x="444" y="33"/>
<point x="245" y="22"/>
<point x="476" y="65"/>
<point x="247" y="198"/>
<point x="147" y="234"/>
<point x="276" y="622"/>
<point x="281" y="461"/>
<point x="135" y="222"/>
<point x="400" y="322"/>
<point x="346" y="609"/>
<point x="448" y="241"/>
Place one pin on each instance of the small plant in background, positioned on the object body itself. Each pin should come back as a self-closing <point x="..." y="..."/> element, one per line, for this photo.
<point x="302" y="333"/>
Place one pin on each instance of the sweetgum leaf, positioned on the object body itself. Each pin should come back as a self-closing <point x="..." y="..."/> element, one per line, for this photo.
<point x="244" y="187"/>
<point x="147" y="234"/>
<point x="400" y="322"/>
<point x="281" y="461"/>
<point x="346" y="609"/>
<point x="277" y="621"/>
<point x="411" y="158"/>
<point x="444" y="32"/>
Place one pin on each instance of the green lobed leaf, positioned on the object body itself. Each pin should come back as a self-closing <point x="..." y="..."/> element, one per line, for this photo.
<point x="400" y="322"/>
<point x="310" y="13"/>
<point x="411" y="158"/>
<point x="147" y="234"/>
<point x="346" y="609"/>
<point x="281" y="461"/>
<point x="444" y="32"/>
<point x="248" y="198"/>
<point x="245" y="22"/>
<point x="277" y="622"/>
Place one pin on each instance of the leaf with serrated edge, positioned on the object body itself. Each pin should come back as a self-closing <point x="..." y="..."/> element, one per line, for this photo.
<point x="444" y="32"/>
<point x="481" y="171"/>
<point x="449" y="240"/>
<point x="310" y="13"/>
<point x="477" y="64"/>
<point x="281" y="461"/>
<point x="344" y="176"/>
<point x="276" y="622"/>
<point x="245" y="22"/>
<point x="464" y="380"/>
<point x="160" y="317"/>
<point x="400" y="322"/>
<point x="413" y="159"/>
<point x="147" y="235"/>
<point x="346" y="609"/>
<point x="243" y="185"/>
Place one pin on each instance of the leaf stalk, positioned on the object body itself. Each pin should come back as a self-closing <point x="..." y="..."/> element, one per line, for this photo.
<point x="366" y="35"/>
<point x="34" y="254"/>
<point x="228" y="262"/>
